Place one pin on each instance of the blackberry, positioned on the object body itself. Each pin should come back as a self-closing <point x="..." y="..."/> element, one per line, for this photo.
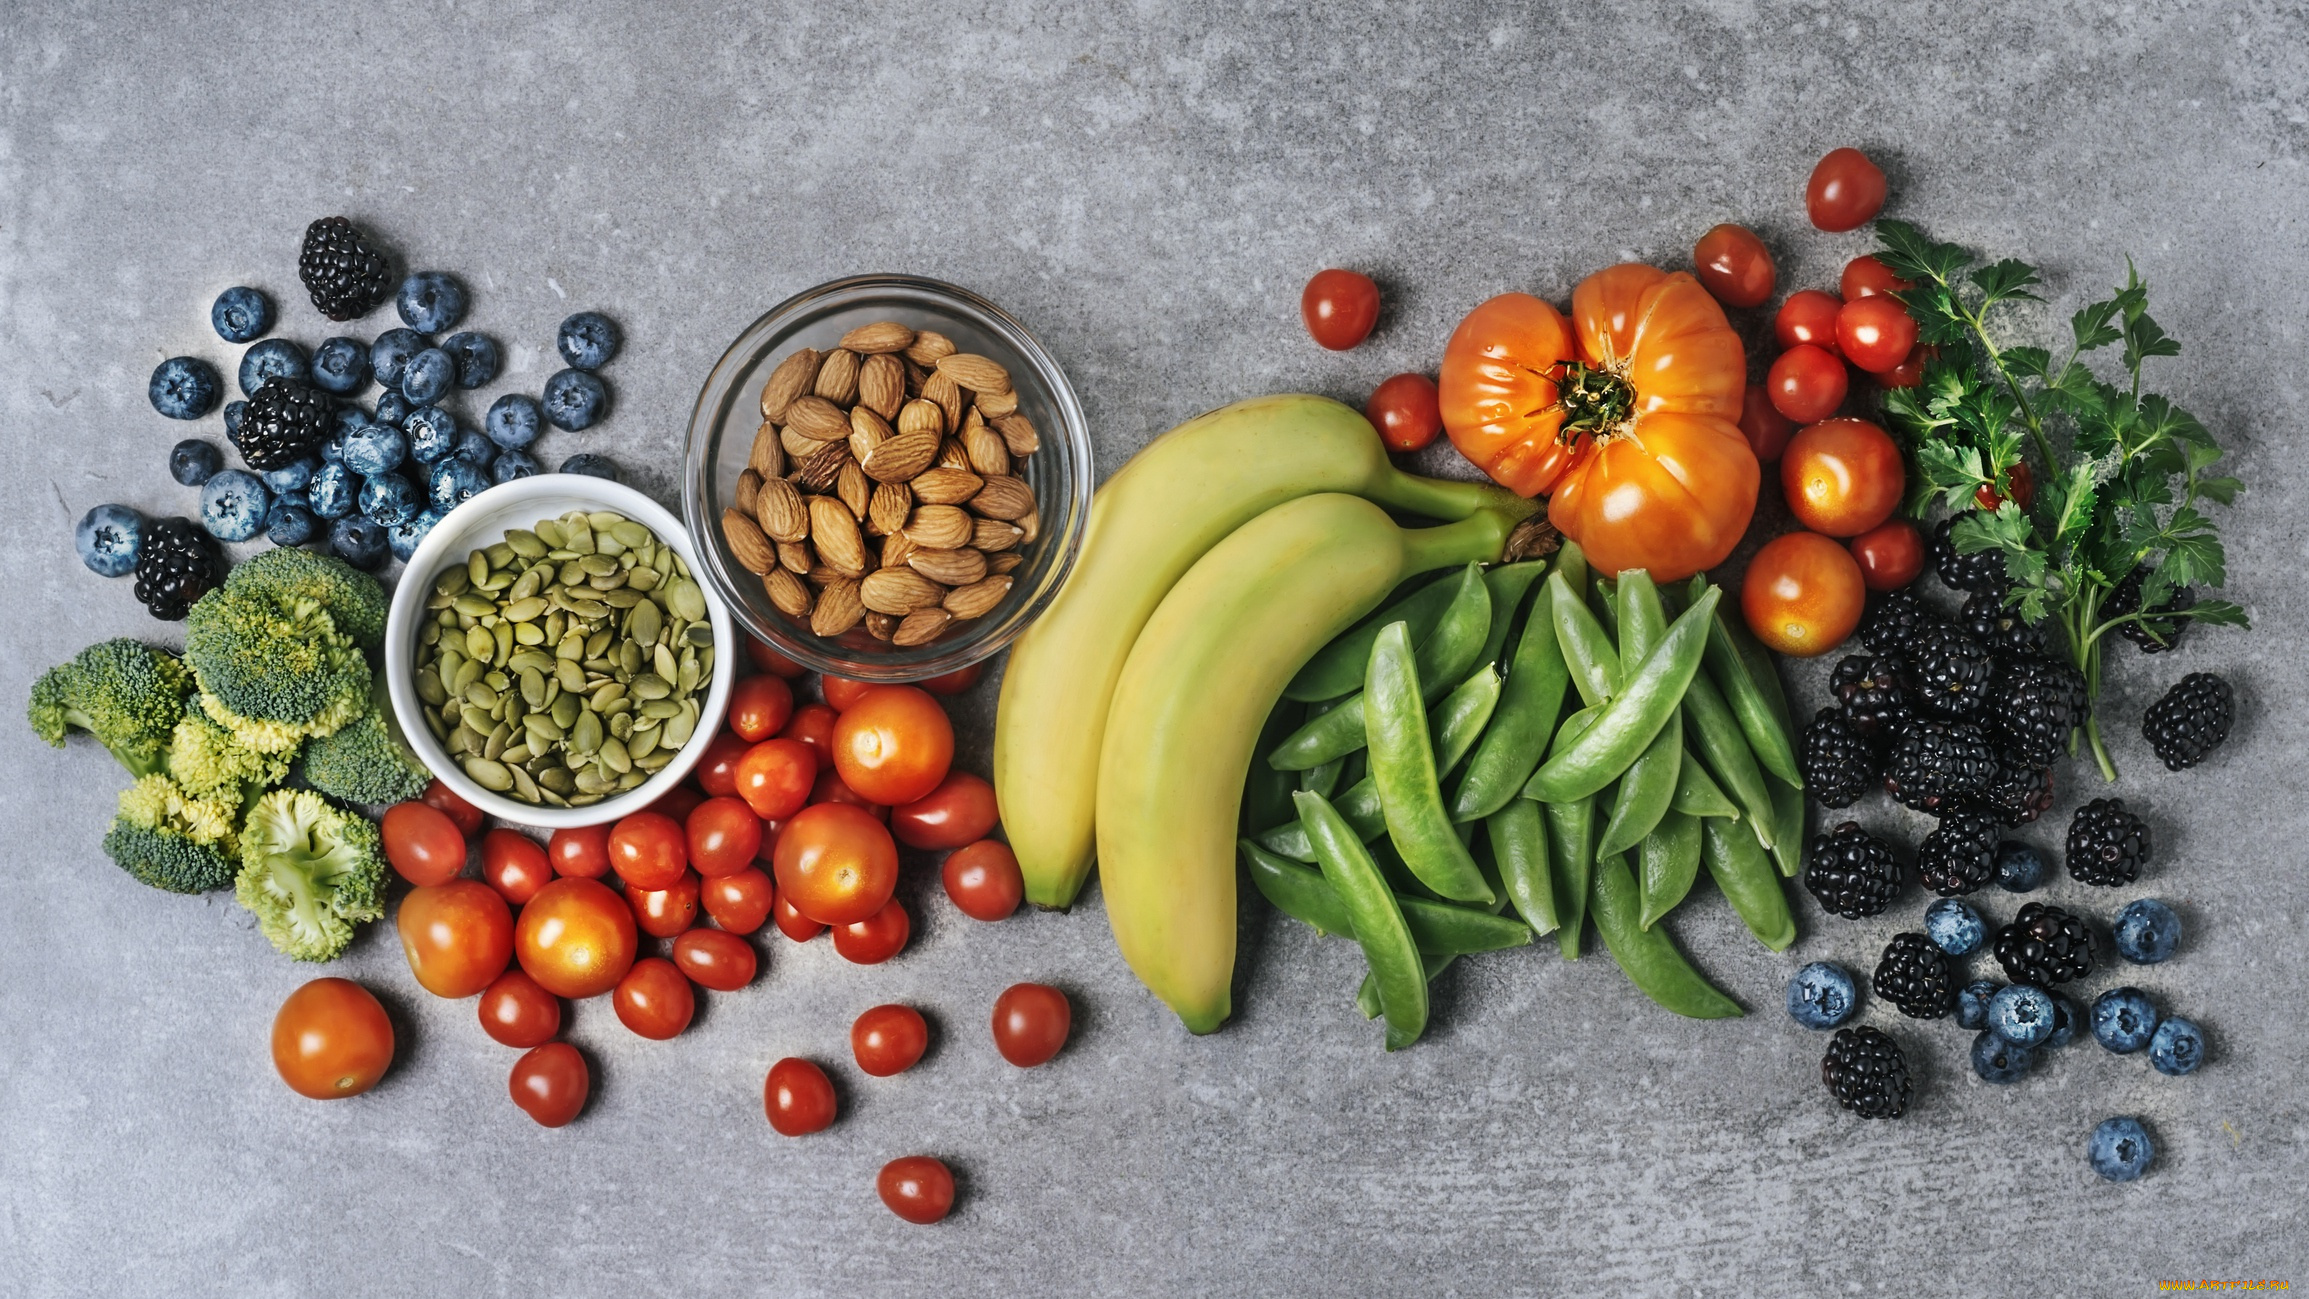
<point x="1892" y="617"/>
<point x="286" y="421"/>
<point x="1866" y="1073"/>
<point x="1934" y="762"/>
<point x="1915" y="976"/>
<point x="2107" y="845"/>
<point x="2000" y="627"/>
<point x="1959" y="856"/>
<point x="175" y="568"/>
<point x="2190" y="721"/>
<point x="1948" y="671"/>
<point x="2044" y="946"/>
<point x="2125" y="598"/>
<point x="1982" y="570"/>
<point x="2033" y="704"/>
<point x="1852" y="872"/>
<point x="2018" y="792"/>
<point x="346" y="274"/>
<point x="1838" y="765"/>
<point x="1874" y="696"/>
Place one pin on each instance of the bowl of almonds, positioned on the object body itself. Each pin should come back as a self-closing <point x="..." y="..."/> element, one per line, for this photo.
<point x="888" y="477"/>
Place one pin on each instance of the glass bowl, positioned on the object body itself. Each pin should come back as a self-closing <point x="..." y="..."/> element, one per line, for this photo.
<point x="728" y="413"/>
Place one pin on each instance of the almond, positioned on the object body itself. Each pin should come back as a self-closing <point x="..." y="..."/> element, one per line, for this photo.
<point x="838" y="609"/>
<point x="1029" y="527"/>
<point x="867" y="431"/>
<point x="790" y="380"/>
<point x="881" y="626"/>
<point x="825" y="575"/>
<point x="915" y="374"/>
<point x="795" y="557"/>
<point x="940" y="485"/>
<point x="977" y="373"/>
<point x="899" y="590"/>
<point x="902" y="457"/>
<point x="819" y="471"/>
<point x="928" y="346"/>
<point x="837" y="380"/>
<point x="747" y="544"/>
<point x="895" y="548"/>
<point x="938" y="527"/>
<point x="988" y="453"/>
<point x="797" y="449"/>
<point x="787" y="593"/>
<point x="817" y="419"/>
<point x="835" y="532"/>
<point x="851" y="486"/>
<point x="881" y="336"/>
<point x="947" y="394"/>
<point x="767" y="457"/>
<point x="978" y="598"/>
<point x="949" y="567"/>
<point x="1004" y="497"/>
<point x="886" y="511"/>
<point x="1004" y="562"/>
<point x="749" y="491"/>
<point x="780" y="511"/>
<point x="921" y="627"/>
<point x="882" y="384"/>
<point x="1019" y="435"/>
<point x="922" y="415"/>
<point x="952" y="456"/>
<point x="994" y="534"/>
<point x="995" y="405"/>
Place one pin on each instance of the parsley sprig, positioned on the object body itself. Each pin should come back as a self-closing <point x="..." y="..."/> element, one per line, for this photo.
<point x="2129" y="492"/>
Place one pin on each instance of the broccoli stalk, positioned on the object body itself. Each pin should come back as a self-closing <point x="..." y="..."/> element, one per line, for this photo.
<point x="309" y="873"/>
<point x="124" y="692"/>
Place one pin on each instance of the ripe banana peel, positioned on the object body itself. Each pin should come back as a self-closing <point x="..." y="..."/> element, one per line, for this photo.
<point x="1189" y="703"/>
<point x="1154" y="518"/>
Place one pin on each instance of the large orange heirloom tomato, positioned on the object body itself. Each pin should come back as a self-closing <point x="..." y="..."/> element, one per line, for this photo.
<point x="1626" y="416"/>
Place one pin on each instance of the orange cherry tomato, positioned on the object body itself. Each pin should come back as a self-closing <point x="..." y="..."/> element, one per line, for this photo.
<point x="2019" y="482"/>
<point x="888" y="1039"/>
<point x="813" y="725"/>
<point x="1766" y="429"/>
<point x="841" y="692"/>
<point x="1406" y="412"/>
<point x="1031" y="1023"/>
<point x="422" y="843"/>
<point x="576" y="938"/>
<point x="1730" y="262"/>
<point x="955" y="682"/>
<point x="877" y="938"/>
<point x="331" y="1040"/>
<point x="717" y="769"/>
<point x="1842" y="476"/>
<point x="513" y="864"/>
<point x="654" y="1000"/>
<point x="766" y="659"/>
<point x="551" y="1084"/>
<point x="677" y="802"/>
<point x="1803" y="594"/>
<point x="893" y="744"/>
<point x="740" y="902"/>
<point x="666" y="912"/>
<point x="516" y="1010"/>
<point x="1846" y="190"/>
<point x="648" y="850"/>
<point x="723" y="834"/>
<point x="959" y="811"/>
<point x="458" y="936"/>
<point x="836" y="864"/>
<point x="774" y="778"/>
<point x="1865" y="276"/>
<point x="1910" y="372"/>
<point x="760" y="707"/>
<point x="1340" y="307"/>
<point x="714" y="959"/>
<point x="798" y="1098"/>
<point x="448" y="802"/>
<point x="830" y="789"/>
<point x="1890" y="555"/>
<point x="580" y="852"/>
<point x="1807" y="383"/>
<point x="917" y="1188"/>
<point x="793" y="924"/>
<point x="983" y="879"/>
<point x="1875" y="333"/>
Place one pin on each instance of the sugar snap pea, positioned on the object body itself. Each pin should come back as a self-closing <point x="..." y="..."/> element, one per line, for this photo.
<point x="1266" y="791"/>
<point x="1337" y="668"/>
<point x="1715" y="736"/>
<point x="1667" y="862"/>
<point x="1587" y="649"/>
<point x="1324" y="779"/>
<point x="1571" y="561"/>
<point x="1571" y="860"/>
<point x="1738" y="864"/>
<point x="1626" y="725"/>
<point x="1766" y="731"/>
<point x="1648" y="956"/>
<point x="1437" y="928"/>
<point x="1367" y="995"/>
<point x="1697" y="793"/>
<point x="1519" y="849"/>
<point x="1508" y="584"/>
<point x="1297" y="891"/>
<point x="1787" y="827"/>
<point x="1459" y="719"/>
<point x="1403" y="766"/>
<point x="1650" y="783"/>
<point x="1519" y="730"/>
<point x="1444" y="929"/>
<point x="1604" y="600"/>
<point x="1443" y="661"/>
<point x="1372" y="913"/>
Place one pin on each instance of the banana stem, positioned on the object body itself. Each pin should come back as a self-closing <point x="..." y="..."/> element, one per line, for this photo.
<point x="1478" y="538"/>
<point x="1444" y="498"/>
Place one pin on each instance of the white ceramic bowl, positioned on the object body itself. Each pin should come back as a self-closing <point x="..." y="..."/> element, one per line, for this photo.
<point x="483" y="521"/>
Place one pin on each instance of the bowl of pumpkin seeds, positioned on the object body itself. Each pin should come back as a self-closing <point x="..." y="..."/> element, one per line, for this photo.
<point x="555" y="658"/>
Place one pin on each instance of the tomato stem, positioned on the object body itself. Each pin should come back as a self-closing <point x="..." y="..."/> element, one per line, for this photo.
<point x="1595" y="401"/>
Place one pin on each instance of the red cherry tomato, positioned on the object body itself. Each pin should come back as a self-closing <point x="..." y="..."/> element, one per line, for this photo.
<point x="514" y="865"/>
<point x="983" y="879"/>
<point x="1031" y="1023"/>
<point x="1808" y="316"/>
<point x="793" y="924"/>
<point x="760" y="707"/>
<point x="648" y="850"/>
<point x="449" y="803"/>
<point x="830" y="789"/>
<point x="889" y="1039"/>
<point x="576" y="938"/>
<point x="766" y="659"/>
<point x="893" y="744"/>
<point x="1766" y="429"/>
<point x="458" y="936"/>
<point x="1910" y="372"/>
<point x="677" y="802"/>
<point x="713" y="959"/>
<point x="516" y="1010"/>
<point x="1845" y="191"/>
<point x="1340" y="307"/>
<point x="1865" y="276"/>
<point x="1407" y="412"/>
<point x="717" y="769"/>
<point x="841" y="692"/>
<point x="1802" y="595"/>
<point x="959" y="811"/>
<point x="723" y="835"/>
<point x="654" y="1000"/>
<point x="1842" y="476"/>
<point x="666" y="912"/>
<point x="813" y="725"/>
<point x="423" y="844"/>
<point x="918" y="1188"/>
<point x="580" y="852"/>
<point x="774" y="778"/>
<point x="798" y="1098"/>
<point x="331" y="1040"/>
<point x="740" y="902"/>
<point x="877" y="938"/>
<point x="770" y="832"/>
<point x="955" y="682"/>
<point x="551" y="1084"/>
<point x="1806" y="383"/>
<point x="1890" y="555"/>
<point x="1875" y="333"/>
<point x="2020" y="484"/>
<point x="836" y="864"/>
<point x="1730" y="262"/>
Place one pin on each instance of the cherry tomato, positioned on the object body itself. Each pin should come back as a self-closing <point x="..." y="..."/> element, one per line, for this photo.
<point x="893" y="744"/>
<point x="836" y="864"/>
<point x="877" y="938"/>
<point x="2020" y="484"/>
<point x="1875" y="333"/>
<point x="889" y="1039"/>
<point x="1842" y="476"/>
<point x="955" y="682"/>
<point x="458" y="936"/>
<point x="1808" y="316"/>
<point x="666" y="912"/>
<point x="813" y="725"/>
<point x="1846" y="190"/>
<point x="1910" y="372"/>
<point x="713" y="959"/>
<point x="654" y="1000"/>
<point x="830" y="789"/>
<point x="551" y="1083"/>
<point x="514" y="865"/>
<point x="841" y="692"/>
<point x="774" y="778"/>
<point x="738" y="902"/>
<point x="1890" y="555"/>
<point x="766" y="659"/>
<point x="770" y="831"/>
<point x="1806" y="383"/>
<point x="331" y="1040"/>
<point x="576" y="938"/>
<point x="1031" y="1021"/>
<point x="580" y="852"/>
<point x="1766" y="429"/>
<point x="959" y="811"/>
<point x="918" y="1188"/>
<point x="760" y="707"/>
<point x="1802" y="595"/>
<point x="1733" y="264"/>
<point x="793" y="924"/>
<point x="983" y="879"/>
<point x="1407" y="412"/>
<point x="1865" y="276"/>
<point x="648" y="850"/>
<point x="677" y="802"/>
<point x="1340" y="307"/>
<point x="422" y="843"/>
<point x="798" y="1098"/>
<point x="517" y="1011"/>
<point x="717" y="769"/>
<point x="449" y="803"/>
<point x="724" y="834"/>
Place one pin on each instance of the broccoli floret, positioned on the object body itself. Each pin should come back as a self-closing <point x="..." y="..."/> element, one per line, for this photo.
<point x="124" y="692"/>
<point x="365" y="763"/>
<point x="309" y="872"/>
<point x="274" y="739"/>
<point x="270" y="655"/>
<point x="209" y="760"/>
<point x="169" y="838"/>
<point x="355" y="600"/>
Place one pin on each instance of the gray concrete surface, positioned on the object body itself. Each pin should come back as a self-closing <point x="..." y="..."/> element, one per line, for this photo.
<point x="1147" y="187"/>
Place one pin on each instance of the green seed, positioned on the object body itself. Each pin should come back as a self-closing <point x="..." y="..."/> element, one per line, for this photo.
<point x="565" y="711"/>
<point x="677" y="730"/>
<point x="660" y="709"/>
<point x="643" y="743"/>
<point x="687" y="600"/>
<point x="479" y="643"/>
<point x="649" y="685"/>
<point x="526" y="610"/>
<point x="629" y="532"/>
<point x="528" y="633"/>
<point x="533" y="687"/>
<point x="642" y="579"/>
<point x="558" y="779"/>
<point x="488" y="774"/>
<point x="613" y="752"/>
<point x="645" y="622"/>
<point x="430" y="690"/>
<point x="590" y="781"/>
<point x="655" y="761"/>
<point x="586" y="735"/>
<point x="515" y="753"/>
<point x="477" y="567"/>
<point x="664" y="663"/>
<point x="526" y="788"/>
<point x="549" y="532"/>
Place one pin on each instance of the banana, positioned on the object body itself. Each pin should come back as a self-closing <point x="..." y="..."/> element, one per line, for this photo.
<point x="1190" y="701"/>
<point x="1175" y="500"/>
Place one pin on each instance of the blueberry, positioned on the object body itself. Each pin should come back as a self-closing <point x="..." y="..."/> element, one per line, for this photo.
<point x="233" y="505"/>
<point x="375" y="449"/>
<point x="341" y="366"/>
<point x="1954" y="927"/>
<point x="389" y="498"/>
<point x="185" y="387"/>
<point x="1999" y="1061"/>
<point x="333" y="492"/>
<point x="290" y="525"/>
<point x="348" y="418"/>
<point x="2021" y="1014"/>
<point x="511" y="465"/>
<point x="428" y="376"/>
<point x="192" y="461"/>
<point x="274" y="358"/>
<point x="575" y="400"/>
<point x="389" y="355"/>
<point x="475" y="449"/>
<point x="2067" y="1018"/>
<point x="432" y="434"/>
<point x="241" y="314"/>
<point x="476" y="357"/>
<point x="109" y="538"/>
<point x="2120" y="1149"/>
<point x="1972" y="1003"/>
<point x="588" y="340"/>
<point x="393" y="409"/>
<point x="2147" y="931"/>
<point x="2019" y="867"/>
<point x="456" y="481"/>
<point x="591" y="465"/>
<point x="290" y="477"/>
<point x="512" y="420"/>
<point x="431" y="301"/>
<point x="404" y="536"/>
<point x="2177" y="1047"/>
<point x="234" y="413"/>
<point x="1820" y="996"/>
<point x="358" y="541"/>
<point x="2124" y="1019"/>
